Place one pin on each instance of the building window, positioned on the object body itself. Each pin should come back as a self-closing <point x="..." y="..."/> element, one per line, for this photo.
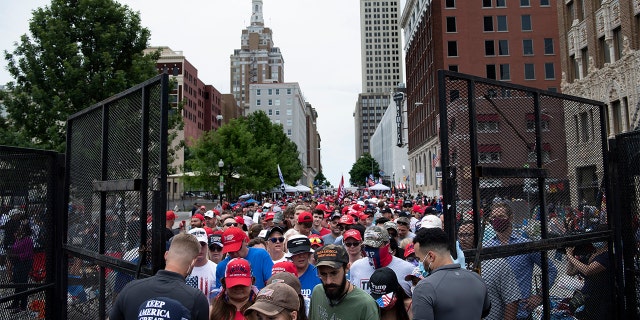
<point x="588" y="185"/>
<point x="257" y="92"/>
<point x="488" y="23"/>
<point x="489" y="48"/>
<point x="488" y="157"/>
<point x="503" y="47"/>
<point x="277" y="112"/>
<point x="526" y="22"/>
<point x="501" y="3"/>
<point x="289" y="122"/>
<point x="451" y="24"/>
<point x="529" y="72"/>
<point x="270" y="102"/>
<point x="525" y="3"/>
<point x="502" y="23"/>
<point x="617" y="43"/>
<point x="258" y="102"/>
<point x="277" y="91"/>
<point x="486" y="3"/>
<point x="270" y="91"/>
<point x="546" y="157"/>
<point x="505" y="73"/>
<point x="549" y="71"/>
<point x="277" y="102"/>
<point x="583" y="127"/>
<point x="548" y="46"/>
<point x="488" y="126"/>
<point x="453" y="67"/>
<point x="531" y="124"/>
<point x="289" y="112"/>
<point x="450" y="4"/>
<point x="491" y="71"/>
<point x="606" y="54"/>
<point x="452" y="49"/>
<point x="527" y="47"/>
<point x="544" y="3"/>
<point x="270" y="112"/>
<point x="288" y="132"/>
<point x="288" y="90"/>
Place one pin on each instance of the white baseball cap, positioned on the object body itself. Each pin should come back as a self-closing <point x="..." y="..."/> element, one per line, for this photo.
<point x="431" y="221"/>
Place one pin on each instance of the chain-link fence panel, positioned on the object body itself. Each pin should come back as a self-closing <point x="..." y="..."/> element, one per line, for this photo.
<point x="117" y="160"/>
<point x="626" y="155"/>
<point x="531" y="164"/>
<point x="28" y="187"/>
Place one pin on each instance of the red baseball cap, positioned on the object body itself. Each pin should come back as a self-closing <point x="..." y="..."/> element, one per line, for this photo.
<point x="363" y="216"/>
<point x="316" y="241"/>
<point x="198" y="216"/>
<point x="269" y="216"/>
<point x="238" y="273"/>
<point x="239" y="220"/>
<point x="171" y="215"/>
<point x="409" y="250"/>
<point x="323" y="207"/>
<point x="284" y="266"/>
<point x="216" y="212"/>
<point x="346" y="219"/>
<point x="232" y="239"/>
<point x="305" y="216"/>
<point x="417" y="208"/>
<point x="352" y="233"/>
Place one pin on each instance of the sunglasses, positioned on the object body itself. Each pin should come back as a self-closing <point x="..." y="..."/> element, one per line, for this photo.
<point x="215" y="248"/>
<point x="351" y="244"/>
<point x="278" y="239"/>
<point x="229" y="224"/>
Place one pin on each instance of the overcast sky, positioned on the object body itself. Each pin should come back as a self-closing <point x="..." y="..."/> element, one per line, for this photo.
<point x="319" y="40"/>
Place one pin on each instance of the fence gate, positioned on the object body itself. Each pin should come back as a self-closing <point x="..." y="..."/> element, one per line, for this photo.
<point x="29" y="184"/>
<point x="115" y="188"/>
<point x="533" y="164"/>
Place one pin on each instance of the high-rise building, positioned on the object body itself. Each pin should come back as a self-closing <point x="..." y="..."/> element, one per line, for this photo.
<point x="599" y="47"/>
<point x="257" y="60"/>
<point x="381" y="58"/>
<point x="512" y="41"/>
<point x="284" y="104"/>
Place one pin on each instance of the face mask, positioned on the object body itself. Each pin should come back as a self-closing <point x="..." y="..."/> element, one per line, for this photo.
<point x="500" y="224"/>
<point x="424" y="272"/>
<point x="378" y="257"/>
<point x="599" y="244"/>
<point x="387" y="301"/>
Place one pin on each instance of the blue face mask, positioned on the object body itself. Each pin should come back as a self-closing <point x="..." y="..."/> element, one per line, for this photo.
<point x="421" y="268"/>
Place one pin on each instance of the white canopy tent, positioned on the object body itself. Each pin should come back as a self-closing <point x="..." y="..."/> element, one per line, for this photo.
<point x="303" y="188"/>
<point x="379" y="187"/>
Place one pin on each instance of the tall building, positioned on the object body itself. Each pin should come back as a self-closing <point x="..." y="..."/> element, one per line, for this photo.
<point x="599" y="47"/>
<point x="381" y="58"/>
<point x="513" y="41"/>
<point x="257" y="60"/>
<point x="284" y="104"/>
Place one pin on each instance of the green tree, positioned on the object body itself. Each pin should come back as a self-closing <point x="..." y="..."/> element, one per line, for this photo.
<point x="79" y="53"/>
<point x="362" y="168"/>
<point x="321" y="180"/>
<point x="251" y="149"/>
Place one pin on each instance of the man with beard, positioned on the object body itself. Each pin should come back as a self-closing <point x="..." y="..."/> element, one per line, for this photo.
<point x="336" y="229"/>
<point x="335" y="297"/>
<point x="376" y="246"/>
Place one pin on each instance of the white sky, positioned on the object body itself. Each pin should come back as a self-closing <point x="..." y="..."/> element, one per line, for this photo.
<point x="319" y="40"/>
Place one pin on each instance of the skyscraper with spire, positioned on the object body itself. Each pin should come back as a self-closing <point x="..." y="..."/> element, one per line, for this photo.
<point x="257" y="60"/>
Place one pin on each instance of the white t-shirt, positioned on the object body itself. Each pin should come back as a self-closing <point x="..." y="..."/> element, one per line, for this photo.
<point x="361" y="271"/>
<point x="203" y="278"/>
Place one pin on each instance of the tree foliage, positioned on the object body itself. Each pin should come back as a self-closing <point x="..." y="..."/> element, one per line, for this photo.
<point x="79" y="53"/>
<point x="362" y="168"/>
<point x="251" y="149"/>
<point x="321" y="180"/>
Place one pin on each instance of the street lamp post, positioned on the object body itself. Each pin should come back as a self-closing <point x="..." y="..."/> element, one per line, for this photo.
<point x="221" y="165"/>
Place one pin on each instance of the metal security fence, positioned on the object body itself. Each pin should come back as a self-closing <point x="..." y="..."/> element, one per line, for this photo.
<point x="527" y="177"/>
<point x="625" y="159"/>
<point x="29" y="184"/>
<point x="115" y="188"/>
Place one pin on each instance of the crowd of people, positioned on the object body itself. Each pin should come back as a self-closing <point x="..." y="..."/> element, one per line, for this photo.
<point x="369" y="257"/>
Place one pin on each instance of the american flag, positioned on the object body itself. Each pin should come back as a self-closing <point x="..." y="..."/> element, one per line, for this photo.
<point x="436" y="160"/>
<point x="341" y="191"/>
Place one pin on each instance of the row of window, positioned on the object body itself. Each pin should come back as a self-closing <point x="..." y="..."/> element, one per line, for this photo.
<point x="494" y="157"/>
<point x="503" y="71"/>
<point x="494" y="126"/>
<point x="450" y="4"/>
<point x="274" y="102"/>
<point x="501" y="23"/>
<point x="527" y="47"/>
<point x="270" y="91"/>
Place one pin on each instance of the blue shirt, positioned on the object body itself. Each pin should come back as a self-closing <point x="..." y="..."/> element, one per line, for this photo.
<point x="522" y="267"/>
<point x="308" y="280"/>
<point x="260" y="262"/>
